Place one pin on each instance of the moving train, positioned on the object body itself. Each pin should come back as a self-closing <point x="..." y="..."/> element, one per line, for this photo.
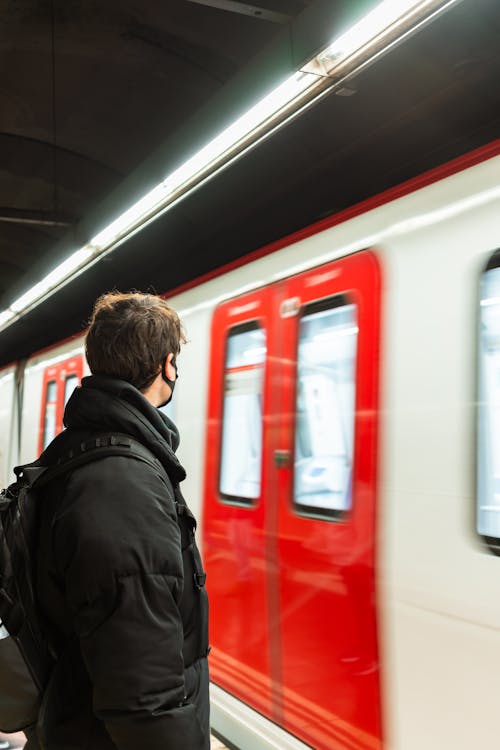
<point x="339" y="410"/>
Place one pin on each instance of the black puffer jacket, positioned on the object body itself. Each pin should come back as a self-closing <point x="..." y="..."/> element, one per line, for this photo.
<point x="115" y="580"/>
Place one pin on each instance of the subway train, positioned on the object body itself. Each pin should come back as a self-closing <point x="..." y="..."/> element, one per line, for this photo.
<point x="339" y="410"/>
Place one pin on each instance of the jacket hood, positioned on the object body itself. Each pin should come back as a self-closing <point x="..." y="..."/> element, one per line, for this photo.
<point x="106" y="404"/>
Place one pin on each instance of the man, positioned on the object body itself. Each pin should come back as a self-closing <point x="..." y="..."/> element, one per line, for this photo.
<point x="119" y="581"/>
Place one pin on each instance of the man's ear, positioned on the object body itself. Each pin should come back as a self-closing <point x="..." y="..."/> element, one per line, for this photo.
<point x="169" y="367"/>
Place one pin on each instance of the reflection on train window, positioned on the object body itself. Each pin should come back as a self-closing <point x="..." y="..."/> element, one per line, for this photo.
<point x="324" y="435"/>
<point x="49" y="422"/>
<point x="241" y="451"/>
<point x="69" y="386"/>
<point x="488" y="432"/>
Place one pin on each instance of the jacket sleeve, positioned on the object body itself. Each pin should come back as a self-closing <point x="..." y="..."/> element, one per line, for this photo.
<point x="118" y="547"/>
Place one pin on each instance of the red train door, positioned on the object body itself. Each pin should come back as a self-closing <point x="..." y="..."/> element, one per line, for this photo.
<point x="326" y="461"/>
<point x="59" y="381"/>
<point x="290" y="500"/>
<point x="235" y="542"/>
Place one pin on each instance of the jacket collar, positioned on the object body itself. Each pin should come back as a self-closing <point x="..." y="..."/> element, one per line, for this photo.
<point x="105" y="404"/>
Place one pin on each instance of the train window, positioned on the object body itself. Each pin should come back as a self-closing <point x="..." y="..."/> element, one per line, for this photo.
<point x="69" y="386"/>
<point x="49" y="421"/>
<point x="325" y="407"/>
<point x="241" y="450"/>
<point x="488" y="428"/>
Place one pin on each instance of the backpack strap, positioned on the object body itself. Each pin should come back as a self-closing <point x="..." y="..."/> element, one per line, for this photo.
<point x="100" y="446"/>
<point x="30" y="472"/>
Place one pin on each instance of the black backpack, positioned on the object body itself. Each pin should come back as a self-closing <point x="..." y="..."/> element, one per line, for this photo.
<point x="26" y="654"/>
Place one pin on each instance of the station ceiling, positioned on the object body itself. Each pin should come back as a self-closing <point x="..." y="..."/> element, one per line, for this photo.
<point x="98" y="100"/>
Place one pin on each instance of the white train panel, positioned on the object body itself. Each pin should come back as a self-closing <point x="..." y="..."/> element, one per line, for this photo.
<point x="438" y="581"/>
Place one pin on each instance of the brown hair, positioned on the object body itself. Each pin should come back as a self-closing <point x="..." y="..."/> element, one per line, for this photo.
<point x="130" y="335"/>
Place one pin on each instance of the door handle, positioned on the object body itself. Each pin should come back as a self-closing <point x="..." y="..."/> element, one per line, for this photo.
<point x="282" y="459"/>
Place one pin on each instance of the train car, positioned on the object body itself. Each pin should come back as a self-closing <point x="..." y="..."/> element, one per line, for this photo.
<point x="338" y="404"/>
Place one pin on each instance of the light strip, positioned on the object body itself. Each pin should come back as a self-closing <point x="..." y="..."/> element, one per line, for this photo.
<point x="209" y="157"/>
<point x="53" y="280"/>
<point x="387" y="23"/>
<point x="5" y="317"/>
<point x="375" y="32"/>
<point x="373" y="23"/>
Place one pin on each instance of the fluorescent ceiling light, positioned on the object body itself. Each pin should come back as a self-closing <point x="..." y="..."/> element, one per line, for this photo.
<point x="6" y="316"/>
<point x="211" y="157"/>
<point x="387" y="23"/>
<point x="244" y="127"/>
<point x="130" y="217"/>
<point x="52" y="280"/>
<point x="382" y="17"/>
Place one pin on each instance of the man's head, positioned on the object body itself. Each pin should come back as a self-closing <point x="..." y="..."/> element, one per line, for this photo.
<point x="133" y="337"/>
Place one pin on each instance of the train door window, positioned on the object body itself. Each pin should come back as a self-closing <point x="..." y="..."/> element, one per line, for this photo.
<point x="49" y="422"/>
<point x="69" y="386"/>
<point x="241" y="449"/>
<point x="488" y="428"/>
<point x="325" y="407"/>
<point x="59" y="380"/>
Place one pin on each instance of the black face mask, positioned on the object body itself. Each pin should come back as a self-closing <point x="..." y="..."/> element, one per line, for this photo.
<point x="169" y="382"/>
